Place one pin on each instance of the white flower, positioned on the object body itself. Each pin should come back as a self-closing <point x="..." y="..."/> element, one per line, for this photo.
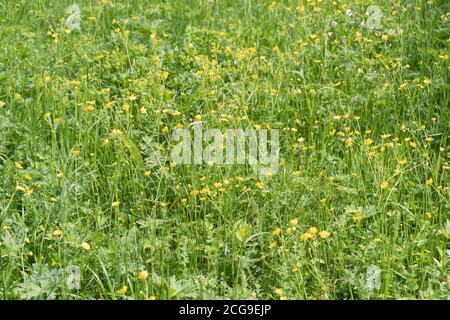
<point x="334" y="24"/>
<point x="349" y="12"/>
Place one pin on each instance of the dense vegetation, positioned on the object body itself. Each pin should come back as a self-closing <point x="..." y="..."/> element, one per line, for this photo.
<point x="358" y="209"/>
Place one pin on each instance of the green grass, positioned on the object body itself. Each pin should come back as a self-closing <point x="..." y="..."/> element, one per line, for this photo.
<point x="364" y="123"/>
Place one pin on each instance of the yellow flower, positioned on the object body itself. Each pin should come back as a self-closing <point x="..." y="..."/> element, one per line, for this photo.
<point x="125" y="107"/>
<point x="143" y="275"/>
<point x="57" y="233"/>
<point x="116" y="133"/>
<point x="429" y="181"/>
<point x="115" y="204"/>
<point x="402" y="86"/>
<point x="272" y="245"/>
<point x="75" y="152"/>
<point x="259" y="185"/>
<point x="152" y="298"/>
<point x="293" y="222"/>
<point x="348" y="142"/>
<point x="164" y="75"/>
<point x="276" y="232"/>
<point x="324" y="234"/>
<point x="368" y="141"/>
<point x="306" y="236"/>
<point x="122" y="290"/>
<point x="86" y="246"/>
<point x="384" y="185"/>
<point x="18" y="166"/>
<point x="88" y="109"/>
<point x="279" y="291"/>
<point x="312" y="231"/>
<point x="272" y="6"/>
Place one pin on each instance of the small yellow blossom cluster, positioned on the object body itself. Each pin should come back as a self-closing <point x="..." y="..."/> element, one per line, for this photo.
<point x="311" y="234"/>
<point x="293" y="225"/>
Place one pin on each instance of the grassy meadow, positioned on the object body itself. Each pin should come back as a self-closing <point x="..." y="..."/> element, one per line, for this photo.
<point x="360" y="205"/>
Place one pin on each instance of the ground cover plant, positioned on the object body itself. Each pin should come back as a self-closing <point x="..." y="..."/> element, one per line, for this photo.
<point x="93" y="207"/>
